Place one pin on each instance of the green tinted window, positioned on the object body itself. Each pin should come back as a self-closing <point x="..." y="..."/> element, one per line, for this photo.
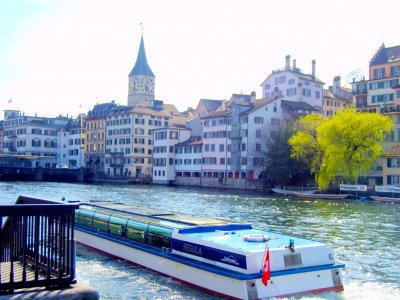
<point x="84" y="217"/>
<point x="117" y="226"/>
<point x="100" y="222"/>
<point x="136" y="231"/>
<point x="159" y="236"/>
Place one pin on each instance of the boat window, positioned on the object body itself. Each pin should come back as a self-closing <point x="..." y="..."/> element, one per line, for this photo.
<point x="84" y="218"/>
<point x="117" y="226"/>
<point x="136" y="231"/>
<point x="100" y="222"/>
<point x="159" y="236"/>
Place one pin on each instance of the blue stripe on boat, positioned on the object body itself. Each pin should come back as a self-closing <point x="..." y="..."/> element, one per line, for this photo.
<point x="229" y="227"/>
<point x="225" y="257"/>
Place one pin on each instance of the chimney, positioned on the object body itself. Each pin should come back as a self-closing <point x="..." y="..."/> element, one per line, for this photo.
<point x="294" y="64"/>
<point x="287" y="66"/>
<point x="336" y="83"/>
<point x="253" y="97"/>
<point x="313" y="69"/>
<point x="300" y="92"/>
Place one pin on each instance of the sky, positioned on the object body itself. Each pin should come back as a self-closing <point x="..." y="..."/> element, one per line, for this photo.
<point x="65" y="56"/>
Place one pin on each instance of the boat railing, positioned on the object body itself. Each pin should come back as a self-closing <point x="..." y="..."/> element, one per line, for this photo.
<point x="37" y="246"/>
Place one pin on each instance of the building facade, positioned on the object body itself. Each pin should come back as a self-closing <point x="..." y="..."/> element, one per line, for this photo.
<point x="71" y="144"/>
<point x="33" y="136"/>
<point x="382" y="88"/>
<point x="129" y="140"/>
<point x="381" y="94"/>
<point x="336" y="98"/>
<point x="294" y="85"/>
<point x="95" y="131"/>
<point x="164" y="161"/>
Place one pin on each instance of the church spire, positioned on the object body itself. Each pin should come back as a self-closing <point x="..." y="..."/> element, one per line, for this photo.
<point x="141" y="66"/>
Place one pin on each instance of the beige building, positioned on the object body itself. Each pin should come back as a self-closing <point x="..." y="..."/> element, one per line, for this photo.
<point x="95" y="127"/>
<point x="335" y="98"/>
<point x="129" y="139"/>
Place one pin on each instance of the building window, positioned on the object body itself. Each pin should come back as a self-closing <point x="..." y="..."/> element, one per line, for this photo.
<point x="258" y="120"/>
<point x="306" y="92"/>
<point x="222" y="161"/>
<point x="379" y="73"/>
<point x="258" y="147"/>
<point x="291" y="92"/>
<point x="394" y="71"/>
<point x="221" y="147"/>
<point x="197" y="161"/>
<point x="258" y="133"/>
<point x="275" y="121"/>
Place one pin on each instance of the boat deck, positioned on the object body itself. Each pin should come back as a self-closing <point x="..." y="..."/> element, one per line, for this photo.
<point x="235" y="239"/>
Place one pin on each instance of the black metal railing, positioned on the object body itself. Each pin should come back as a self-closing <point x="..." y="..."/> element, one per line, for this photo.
<point x="37" y="246"/>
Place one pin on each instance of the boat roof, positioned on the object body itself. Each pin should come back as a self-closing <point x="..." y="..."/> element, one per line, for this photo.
<point x="170" y="219"/>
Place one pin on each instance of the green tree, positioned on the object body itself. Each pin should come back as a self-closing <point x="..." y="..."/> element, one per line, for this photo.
<point x="280" y="167"/>
<point x="346" y="145"/>
<point x="304" y="143"/>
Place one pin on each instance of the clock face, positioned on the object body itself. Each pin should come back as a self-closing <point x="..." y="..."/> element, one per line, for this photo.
<point x="140" y="85"/>
<point x="131" y="86"/>
<point x="149" y="85"/>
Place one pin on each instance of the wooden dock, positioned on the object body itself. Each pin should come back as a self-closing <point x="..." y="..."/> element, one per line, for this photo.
<point x="73" y="291"/>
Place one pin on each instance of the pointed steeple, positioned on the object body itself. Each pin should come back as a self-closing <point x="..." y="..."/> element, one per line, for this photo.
<point x="141" y="66"/>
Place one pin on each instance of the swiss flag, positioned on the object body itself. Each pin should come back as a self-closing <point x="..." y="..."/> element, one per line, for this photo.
<point x="266" y="270"/>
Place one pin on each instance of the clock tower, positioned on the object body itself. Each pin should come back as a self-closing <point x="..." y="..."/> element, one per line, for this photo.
<point x="141" y="80"/>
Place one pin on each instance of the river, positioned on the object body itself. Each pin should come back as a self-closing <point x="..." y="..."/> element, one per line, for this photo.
<point x="364" y="234"/>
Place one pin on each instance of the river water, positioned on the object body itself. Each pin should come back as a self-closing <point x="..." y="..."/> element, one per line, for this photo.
<point x="364" y="234"/>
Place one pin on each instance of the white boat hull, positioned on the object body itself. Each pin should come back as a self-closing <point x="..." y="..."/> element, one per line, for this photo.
<point x="322" y="196"/>
<point x="294" y="282"/>
<point x="386" y="199"/>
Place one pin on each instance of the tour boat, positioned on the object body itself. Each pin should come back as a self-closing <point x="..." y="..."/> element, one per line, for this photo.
<point x="322" y="196"/>
<point x="223" y="258"/>
<point x="386" y="199"/>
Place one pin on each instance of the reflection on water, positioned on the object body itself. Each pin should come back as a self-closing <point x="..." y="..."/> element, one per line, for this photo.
<point x="365" y="235"/>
